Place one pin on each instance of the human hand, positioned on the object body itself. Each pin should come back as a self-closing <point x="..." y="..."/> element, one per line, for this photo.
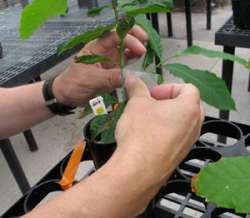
<point x="157" y="129"/>
<point x="80" y="82"/>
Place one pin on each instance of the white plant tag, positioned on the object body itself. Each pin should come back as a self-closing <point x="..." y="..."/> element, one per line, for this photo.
<point x="97" y="105"/>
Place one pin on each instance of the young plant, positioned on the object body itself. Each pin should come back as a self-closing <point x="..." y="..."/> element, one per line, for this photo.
<point x="224" y="189"/>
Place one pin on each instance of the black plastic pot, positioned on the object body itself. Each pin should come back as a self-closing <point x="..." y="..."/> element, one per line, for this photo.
<point x="189" y="168"/>
<point x="241" y="13"/>
<point x="100" y="152"/>
<point x="39" y="192"/>
<point x="218" y="128"/>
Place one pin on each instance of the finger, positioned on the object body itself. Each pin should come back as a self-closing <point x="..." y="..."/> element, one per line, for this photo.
<point x="172" y="91"/>
<point x="190" y="93"/>
<point x="108" y="80"/>
<point x="202" y="118"/>
<point x="203" y="114"/>
<point x="103" y="44"/>
<point x="111" y="40"/>
<point x="139" y="33"/>
<point x="166" y="91"/>
<point x="130" y="55"/>
<point x="135" y="46"/>
<point x="136" y="87"/>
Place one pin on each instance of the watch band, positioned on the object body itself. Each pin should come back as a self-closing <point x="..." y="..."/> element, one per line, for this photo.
<point x="51" y="101"/>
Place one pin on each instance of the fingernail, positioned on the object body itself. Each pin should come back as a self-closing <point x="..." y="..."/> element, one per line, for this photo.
<point x="143" y="49"/>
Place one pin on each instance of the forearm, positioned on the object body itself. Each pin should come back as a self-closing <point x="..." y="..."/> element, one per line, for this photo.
<point x="21" y="108"/>
<point x="121" y="189"/>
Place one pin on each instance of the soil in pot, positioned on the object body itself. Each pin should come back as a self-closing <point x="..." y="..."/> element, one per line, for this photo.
<point x="241" y="13"/>
<point x="100" y="152"/>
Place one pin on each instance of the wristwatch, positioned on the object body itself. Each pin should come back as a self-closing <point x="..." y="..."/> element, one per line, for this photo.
<point x="51" y="102"/>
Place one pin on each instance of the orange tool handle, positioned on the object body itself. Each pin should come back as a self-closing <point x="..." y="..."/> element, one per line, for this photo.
<point x="69" y="174"/>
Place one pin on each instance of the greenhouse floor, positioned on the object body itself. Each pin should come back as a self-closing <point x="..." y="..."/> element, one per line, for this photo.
<point x="56" y="136"/>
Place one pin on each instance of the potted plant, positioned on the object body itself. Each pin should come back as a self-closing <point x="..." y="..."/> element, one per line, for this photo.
<point x="241" y="13"/>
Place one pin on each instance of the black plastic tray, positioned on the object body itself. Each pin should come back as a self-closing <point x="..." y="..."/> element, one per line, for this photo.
<point x="176" y="198"/>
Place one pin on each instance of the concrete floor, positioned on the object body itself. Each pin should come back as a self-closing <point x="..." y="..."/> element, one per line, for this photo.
<point x="56" y="136"/>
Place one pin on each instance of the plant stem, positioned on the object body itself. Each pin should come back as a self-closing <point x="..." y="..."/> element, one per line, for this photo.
<point x="122" y="60"/>
<point x="121" y="93"/>
<point x="121" y="44"/>
<point x="114" y="6"/>
<point x="165" y="61"/>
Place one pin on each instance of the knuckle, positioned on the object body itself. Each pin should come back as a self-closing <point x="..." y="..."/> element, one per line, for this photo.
<point x="194" y="110"/>
<point x="113" y="80"/>
<point x="193" y="88"/>
<point x="194" y="92"/>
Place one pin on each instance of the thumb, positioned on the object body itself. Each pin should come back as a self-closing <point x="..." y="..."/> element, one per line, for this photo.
<point x="136" y="87"/>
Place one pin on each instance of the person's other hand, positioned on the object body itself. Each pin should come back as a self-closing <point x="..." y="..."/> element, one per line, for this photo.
<point x="80" y="82"/>
<point x="157" y="129"/>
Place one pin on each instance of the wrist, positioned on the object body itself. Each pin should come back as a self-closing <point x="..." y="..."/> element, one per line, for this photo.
<point x="59" y="91"/>
<point x="54" y="105"/>
<point x="140" y="166"/>
<point x="137" y="180"/>
<point x="141" y="157"/>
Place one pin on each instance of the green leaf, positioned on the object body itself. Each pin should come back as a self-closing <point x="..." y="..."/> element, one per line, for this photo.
<point x="248" y="64"/>
<point x="213" y="90"/>
<point x="196" y="50"/>
<point x="124" y="25"/>
<point x="96" y="11"/>
<point x="226" y="183"/>
<point x="104" y="126"/>
<point x="160" y="79"/>
<point x="86" y="111"/>
<point x="127" y="3"/>
<point x="149" y="57"/>
<point x="37" y="13"/>
<point x="109" y="100"/>
<point x="95" y="126"/>
<point x="91" y="59"/>
<point x="154" y="38"/>
<point x="114" y="3"/>
<point x="86" y="37"/>
<point x="150" y="6"/>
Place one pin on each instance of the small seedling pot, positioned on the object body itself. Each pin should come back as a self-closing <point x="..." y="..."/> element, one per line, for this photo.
<point x="218" y="127"/>
<point x="38" y="193"/>
<point x="196" y="160"/>
<point x="174" y="197"/>
<point x="241" y="13"/>
<point x="100" y="152"/>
